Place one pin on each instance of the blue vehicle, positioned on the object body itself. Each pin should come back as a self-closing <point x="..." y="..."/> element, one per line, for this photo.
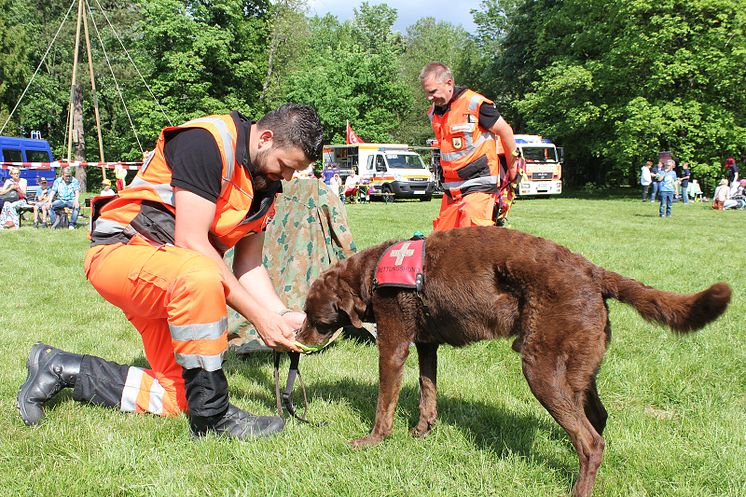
<point x="13" y="149"/>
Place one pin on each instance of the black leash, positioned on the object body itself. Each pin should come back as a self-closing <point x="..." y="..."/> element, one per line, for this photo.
<point x="286" y="395"/>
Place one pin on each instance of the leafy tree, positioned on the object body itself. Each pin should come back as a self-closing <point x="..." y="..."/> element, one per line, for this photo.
<point x="617" y="81"/>
<point x="427" y="40"/>
<point x="350" y="71"/>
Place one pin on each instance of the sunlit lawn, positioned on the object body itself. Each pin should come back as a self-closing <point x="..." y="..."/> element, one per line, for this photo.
<point x="677" y="405"/>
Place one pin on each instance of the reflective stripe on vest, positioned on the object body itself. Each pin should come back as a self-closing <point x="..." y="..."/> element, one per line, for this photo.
<point x="462" y="141"/>
<point x="470" y="147"/>
<point x="152" y="184"/>
<point x="227" y="139"/>
<point x="164" y="191"/>
<point x="484" y="184"/>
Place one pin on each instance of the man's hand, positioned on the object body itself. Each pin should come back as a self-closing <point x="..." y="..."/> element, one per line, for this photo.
<point x="277" y="333"/>
<point x="295" y="319"/>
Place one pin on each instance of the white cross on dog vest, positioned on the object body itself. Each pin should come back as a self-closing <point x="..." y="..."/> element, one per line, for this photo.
<point x="401" y="265"/>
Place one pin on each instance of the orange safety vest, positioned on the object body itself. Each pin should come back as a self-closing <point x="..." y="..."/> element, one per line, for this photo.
<point x="468" y="153"/>
<point x="118" y="219"/>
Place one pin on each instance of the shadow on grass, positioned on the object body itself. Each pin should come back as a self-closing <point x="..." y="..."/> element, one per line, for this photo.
<point x="490" y="427"/>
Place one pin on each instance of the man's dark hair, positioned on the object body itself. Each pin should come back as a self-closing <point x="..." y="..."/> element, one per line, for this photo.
<point x="295" y="125"/>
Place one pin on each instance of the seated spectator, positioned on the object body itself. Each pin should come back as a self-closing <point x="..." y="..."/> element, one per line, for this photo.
<point x="13" y="193"/>
<point x="106" y="190"/>
<point x="67" y="190"/>
<point x="351" y="186"/>
<point x="722" y="193"/>
<point x="737" y="200"/>
<point x="41" y="204"/>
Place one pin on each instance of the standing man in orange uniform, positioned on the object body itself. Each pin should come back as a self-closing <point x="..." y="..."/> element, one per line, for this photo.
<point x="157" y="254"/>
<point x="466" y="125"/>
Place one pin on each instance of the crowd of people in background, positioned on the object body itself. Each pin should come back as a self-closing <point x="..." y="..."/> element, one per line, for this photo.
<point x="46" y="203"/>
<point x="664" y="183"/>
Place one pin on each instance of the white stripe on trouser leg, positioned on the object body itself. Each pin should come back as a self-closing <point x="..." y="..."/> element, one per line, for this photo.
<point x="157" y="392"/>
<point x="131" y="389"/>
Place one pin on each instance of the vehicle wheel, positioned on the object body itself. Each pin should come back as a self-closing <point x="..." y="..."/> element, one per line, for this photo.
<point x="388" y="195"/>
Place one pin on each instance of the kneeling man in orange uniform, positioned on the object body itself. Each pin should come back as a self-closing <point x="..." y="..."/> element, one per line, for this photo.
<point x="157" y="247"/>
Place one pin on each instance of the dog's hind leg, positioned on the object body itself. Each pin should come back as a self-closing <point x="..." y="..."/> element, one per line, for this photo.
<point x="391" y="356"/>
<point x="594" y="409"/>
<point x="550" y="378"/>
<point x="428" y="359"/>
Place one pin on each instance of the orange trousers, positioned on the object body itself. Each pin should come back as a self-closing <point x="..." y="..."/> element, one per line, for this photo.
<point x="176" y="298"/>
<point x="474" y="209"/>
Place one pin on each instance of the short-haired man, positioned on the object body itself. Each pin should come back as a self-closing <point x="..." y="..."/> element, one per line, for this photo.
<point x="67" y="190"/>
<point x="156" y="253"/>
<point x="466" y="125"/>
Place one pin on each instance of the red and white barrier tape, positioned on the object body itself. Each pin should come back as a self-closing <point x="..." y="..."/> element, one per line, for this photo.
<point x="132" y="166"/>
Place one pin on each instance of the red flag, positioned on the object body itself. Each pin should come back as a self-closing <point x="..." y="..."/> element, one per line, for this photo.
<point x="352" y="136"/>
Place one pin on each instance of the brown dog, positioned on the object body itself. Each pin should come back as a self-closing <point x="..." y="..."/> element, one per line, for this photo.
<point x="487" y="282"/>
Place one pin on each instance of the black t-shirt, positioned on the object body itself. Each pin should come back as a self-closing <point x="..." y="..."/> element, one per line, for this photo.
<point x="195" y="162"/>
<point x="488" y="113"/>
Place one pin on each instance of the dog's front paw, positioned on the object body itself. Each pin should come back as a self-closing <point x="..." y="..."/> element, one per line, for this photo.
<point x="365" y="442"/>
<point x="421" y="430"/>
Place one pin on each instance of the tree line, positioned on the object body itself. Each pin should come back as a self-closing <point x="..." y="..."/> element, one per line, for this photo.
<point x="614" y="82"/>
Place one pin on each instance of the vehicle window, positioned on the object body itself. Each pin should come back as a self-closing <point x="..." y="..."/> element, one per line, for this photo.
<point x="37" y="156"/>
<point x="539" y="154"/>
<point x="380" y="164"/>
<point x="12" y="155"/>
<point x="370" y="163"/>
<point x="405" y="161"/>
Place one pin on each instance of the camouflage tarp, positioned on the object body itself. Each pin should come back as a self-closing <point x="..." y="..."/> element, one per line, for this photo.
<point x="308" y="234"/>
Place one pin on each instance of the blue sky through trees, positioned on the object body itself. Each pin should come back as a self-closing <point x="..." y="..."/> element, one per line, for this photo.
<point x="408" y="11"/>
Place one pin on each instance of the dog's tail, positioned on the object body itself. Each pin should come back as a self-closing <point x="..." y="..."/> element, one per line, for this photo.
<point x="681" y="312"/>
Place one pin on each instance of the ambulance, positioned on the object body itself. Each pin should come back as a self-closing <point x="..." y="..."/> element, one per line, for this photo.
<point x="543" y="170"/>
<point x="390" y="169"/>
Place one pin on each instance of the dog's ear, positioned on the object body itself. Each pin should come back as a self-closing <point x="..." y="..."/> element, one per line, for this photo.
<point x="349" y="306"/>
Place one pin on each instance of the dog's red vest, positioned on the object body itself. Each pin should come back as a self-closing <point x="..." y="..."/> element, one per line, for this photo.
<point x="402" y="265"/>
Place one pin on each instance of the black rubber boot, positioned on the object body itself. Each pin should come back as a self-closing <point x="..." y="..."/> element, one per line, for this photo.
<point x="49" y="371"/>
<point x="236" y="423"/>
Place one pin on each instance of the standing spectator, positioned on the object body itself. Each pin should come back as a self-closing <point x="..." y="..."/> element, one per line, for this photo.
<point x="329" y="171"/>
<point x="731" y="172"/>
<point x="722" y="193"/>
<point x="684" y="177"/>
<point x="667" y="188"/>
<point x="646" y="178"/>
<point x="67" y="190"/>
<point x="335" y="184"/>
<point x="14" y="196"/>
<point x="41" y="206"/>
<point x="106" y="190"/>
<point x="656" y="184"/>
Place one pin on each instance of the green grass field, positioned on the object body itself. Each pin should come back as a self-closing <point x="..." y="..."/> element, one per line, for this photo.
<point x="677" y="404"/>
